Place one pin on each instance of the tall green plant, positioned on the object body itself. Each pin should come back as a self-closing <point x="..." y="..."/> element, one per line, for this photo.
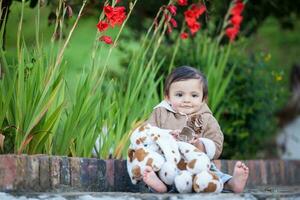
<point x="134" y="94"/>
<point x="37" y="93"/>
<point x="7" y="80"/>
<point x="85" y="118"/>
<point x="214" y="59"/>
<point x="46" y="117"/>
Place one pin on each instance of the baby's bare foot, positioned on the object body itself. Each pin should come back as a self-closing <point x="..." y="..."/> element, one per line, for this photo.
<point x="151" y="179"/>
<point x="239" y="178"/>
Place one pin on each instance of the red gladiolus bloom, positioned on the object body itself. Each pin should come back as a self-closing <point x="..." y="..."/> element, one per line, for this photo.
<point x="195" y="27"/>
<point x="108" y="11"/>
<point x="106" y="39"/>
<point x="198" y="10"/>
<point x="232" y="32"/>
<point x="236" y="20"/>
<point x="115" y="15"/>
<point x="118" y="16"/>
<point x="118" y="1"/>
<point x="237" y="9"/>
<point x="182" y="2"/>
<point x="189" y="14"/>
<point x="173" y="22"/>
<point x="189" y="17"/>
<point x="102" y="26"/>
<point x="184" y="35"/>
<point x="172" y="9"/>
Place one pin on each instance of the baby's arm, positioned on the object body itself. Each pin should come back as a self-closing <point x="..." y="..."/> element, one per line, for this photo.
<point x="211" y="142"/>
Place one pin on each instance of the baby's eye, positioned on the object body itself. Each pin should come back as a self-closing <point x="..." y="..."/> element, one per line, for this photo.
<point x="178" y="94"/>
<point x="195" y="95"/>
<point x="145" y="145"/>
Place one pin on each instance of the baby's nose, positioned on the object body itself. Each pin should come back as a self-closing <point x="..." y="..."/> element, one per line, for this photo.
<point x="186" y="99"/>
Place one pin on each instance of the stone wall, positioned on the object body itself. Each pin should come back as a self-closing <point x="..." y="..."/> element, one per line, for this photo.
<point x="42" y="173"/>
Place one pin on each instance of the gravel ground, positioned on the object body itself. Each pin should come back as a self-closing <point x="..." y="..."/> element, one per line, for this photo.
<point x="267" y="192"/>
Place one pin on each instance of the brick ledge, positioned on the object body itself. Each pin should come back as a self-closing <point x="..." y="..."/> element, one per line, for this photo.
<point x="41" y="173"/>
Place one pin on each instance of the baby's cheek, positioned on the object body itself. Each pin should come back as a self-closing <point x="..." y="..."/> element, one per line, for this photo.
<point x="175" y="105"/>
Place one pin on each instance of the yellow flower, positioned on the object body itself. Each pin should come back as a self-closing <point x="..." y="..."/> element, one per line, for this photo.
<point x="267" y="57"/>
<point x="278" y="77"/>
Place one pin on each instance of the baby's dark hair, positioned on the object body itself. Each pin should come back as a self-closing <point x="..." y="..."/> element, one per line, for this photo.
<point x="184" y="73"/>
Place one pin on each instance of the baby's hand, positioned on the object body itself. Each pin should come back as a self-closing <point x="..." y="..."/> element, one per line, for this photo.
<point x="175" y="133"/>
<point x="197" y="143"/>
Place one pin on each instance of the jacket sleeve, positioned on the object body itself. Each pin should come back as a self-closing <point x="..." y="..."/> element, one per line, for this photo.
<point x="212" y="137"/>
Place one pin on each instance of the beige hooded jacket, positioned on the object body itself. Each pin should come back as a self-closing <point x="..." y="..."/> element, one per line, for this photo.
<point x="204" y="124"/>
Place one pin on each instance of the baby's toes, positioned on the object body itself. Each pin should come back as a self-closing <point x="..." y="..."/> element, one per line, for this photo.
<point x="239" y="164"/>
<point x="245" y="167"/>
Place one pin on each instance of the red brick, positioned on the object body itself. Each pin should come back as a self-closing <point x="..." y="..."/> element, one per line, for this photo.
<point x="44" y="173"/>
<point x="263" y="172"/>
<point x="75" y="172"/>
<point x="32" y="171"/>
<point x="65" y="176"/>
<point x="101" y="175"/>
<point x="8" y="172"/>
<point x="282" y="172"/>
<point x="20" y="183"/>
<point x="110" y="174"/>
<point x="55" y="171"/>
<point x="253" y="177"/>
<point x="230" y="164"/>
<point x="92" y="173"/>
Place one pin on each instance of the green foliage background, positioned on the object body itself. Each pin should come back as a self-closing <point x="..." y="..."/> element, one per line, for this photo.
<point x="257" y="90"/>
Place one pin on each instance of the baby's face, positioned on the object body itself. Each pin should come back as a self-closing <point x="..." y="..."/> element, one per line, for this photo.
<point x="186" y="96"/>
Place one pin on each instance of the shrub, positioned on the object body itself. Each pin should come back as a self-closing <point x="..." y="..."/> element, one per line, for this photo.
<point x="248" y="121"/>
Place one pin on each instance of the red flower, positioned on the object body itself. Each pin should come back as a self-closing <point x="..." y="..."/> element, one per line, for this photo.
<point x="198" y="10"/>
<point x="108" y="11"/>
<point x="102" y="26"/>
<point x="172" y="9"/>
<point x="118" y="1"/>
<point x="237" y="9"/>
<point x="106" y="39"/>
<point x="232" y="32"/>
<point x="189" y="17"/>
<point x="173" y="22"/>
<point x="115" y="15"/>
<point x="118" y="16"/>
<point x="184" y="35"/>
<point x="236" y="20"/>
<point x="182" y="2"/>
<point x="195" y="27"/>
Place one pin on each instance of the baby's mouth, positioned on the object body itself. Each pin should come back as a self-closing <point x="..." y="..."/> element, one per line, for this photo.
<point x="184" y="106"/>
